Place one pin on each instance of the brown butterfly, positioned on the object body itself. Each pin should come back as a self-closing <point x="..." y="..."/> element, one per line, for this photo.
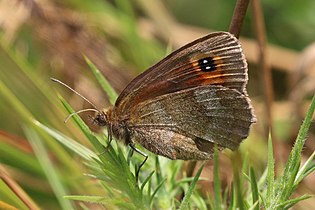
<point x="187" y="103"/>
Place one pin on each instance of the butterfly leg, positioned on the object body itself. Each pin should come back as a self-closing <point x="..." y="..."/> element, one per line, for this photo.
<point x="145" y="159"/>
<point x="110" y="138"/>
<point x="105" y="148"/>
<point x="130" y="154"/>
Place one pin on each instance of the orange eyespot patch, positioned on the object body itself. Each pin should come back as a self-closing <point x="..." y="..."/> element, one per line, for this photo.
<point x="209" y="69"/>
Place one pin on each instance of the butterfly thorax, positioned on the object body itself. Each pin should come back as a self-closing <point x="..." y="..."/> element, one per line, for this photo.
<point x="116" y="126"/>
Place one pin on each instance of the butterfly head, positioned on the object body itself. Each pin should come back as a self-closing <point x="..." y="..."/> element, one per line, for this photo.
<point x="101" y="119"/>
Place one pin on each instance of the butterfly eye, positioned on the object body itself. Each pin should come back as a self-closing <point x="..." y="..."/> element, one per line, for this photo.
<point x="100" y="119"/>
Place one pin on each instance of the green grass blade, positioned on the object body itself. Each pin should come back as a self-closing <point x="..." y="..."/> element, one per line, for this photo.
<point x="11" y="155"/>
<point x="238" y="189"/>
<point x="146" y="180"/>
<point x="71" y="144"/>
<point x="185" y="203"/>
<point x="18" y="106"/>
<point x="289" y="187"/>
<point x="306" y="169"/>
<point x="270" y="174"/>
<point x="254" y="206"/>
<point x="288" y="204"/>
<point x="158" y="170"/>
<point x="112" y="95"/>
<point x="263" y="179"/>
<point x="210" y="201"/>
<point x="290" y="171"/>
<point x="156" y="190"/>
<point x="50" y="171"/>
<point x="233" y="202"/>
<point x="87" y="198"/>
<point x="109" y="203"/>
<point x="217" y="181"/>
<point x="254" y="188"/>
<point x="225" y="195"/>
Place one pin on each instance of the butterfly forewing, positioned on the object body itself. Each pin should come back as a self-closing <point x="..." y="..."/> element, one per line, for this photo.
<point x="215" y="59"/>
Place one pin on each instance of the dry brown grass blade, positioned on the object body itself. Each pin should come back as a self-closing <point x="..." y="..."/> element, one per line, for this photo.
<point x="260" y="31"/>
<point x="19" y="192"/>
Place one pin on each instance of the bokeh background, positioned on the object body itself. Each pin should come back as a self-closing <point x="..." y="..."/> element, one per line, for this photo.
<point x="42" y="39"/>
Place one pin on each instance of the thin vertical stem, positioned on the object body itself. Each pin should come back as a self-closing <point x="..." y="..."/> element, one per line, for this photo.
<point x="238" y="17"/>
<point x="259" y="26"/>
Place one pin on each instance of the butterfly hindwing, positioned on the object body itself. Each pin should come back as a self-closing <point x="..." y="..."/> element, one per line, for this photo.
<point x="201" y="114"/>
<point x="168" y="143"/>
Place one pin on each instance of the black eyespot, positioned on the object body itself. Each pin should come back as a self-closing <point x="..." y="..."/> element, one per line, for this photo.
<point x="207" y="64"/>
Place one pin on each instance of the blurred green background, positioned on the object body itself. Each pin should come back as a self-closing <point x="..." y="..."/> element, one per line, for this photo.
<point x="43" y="39"/>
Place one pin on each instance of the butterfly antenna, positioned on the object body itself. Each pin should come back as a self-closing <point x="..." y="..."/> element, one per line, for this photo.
<point x="80" y="111"/>
<point x="87" y="100"/>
